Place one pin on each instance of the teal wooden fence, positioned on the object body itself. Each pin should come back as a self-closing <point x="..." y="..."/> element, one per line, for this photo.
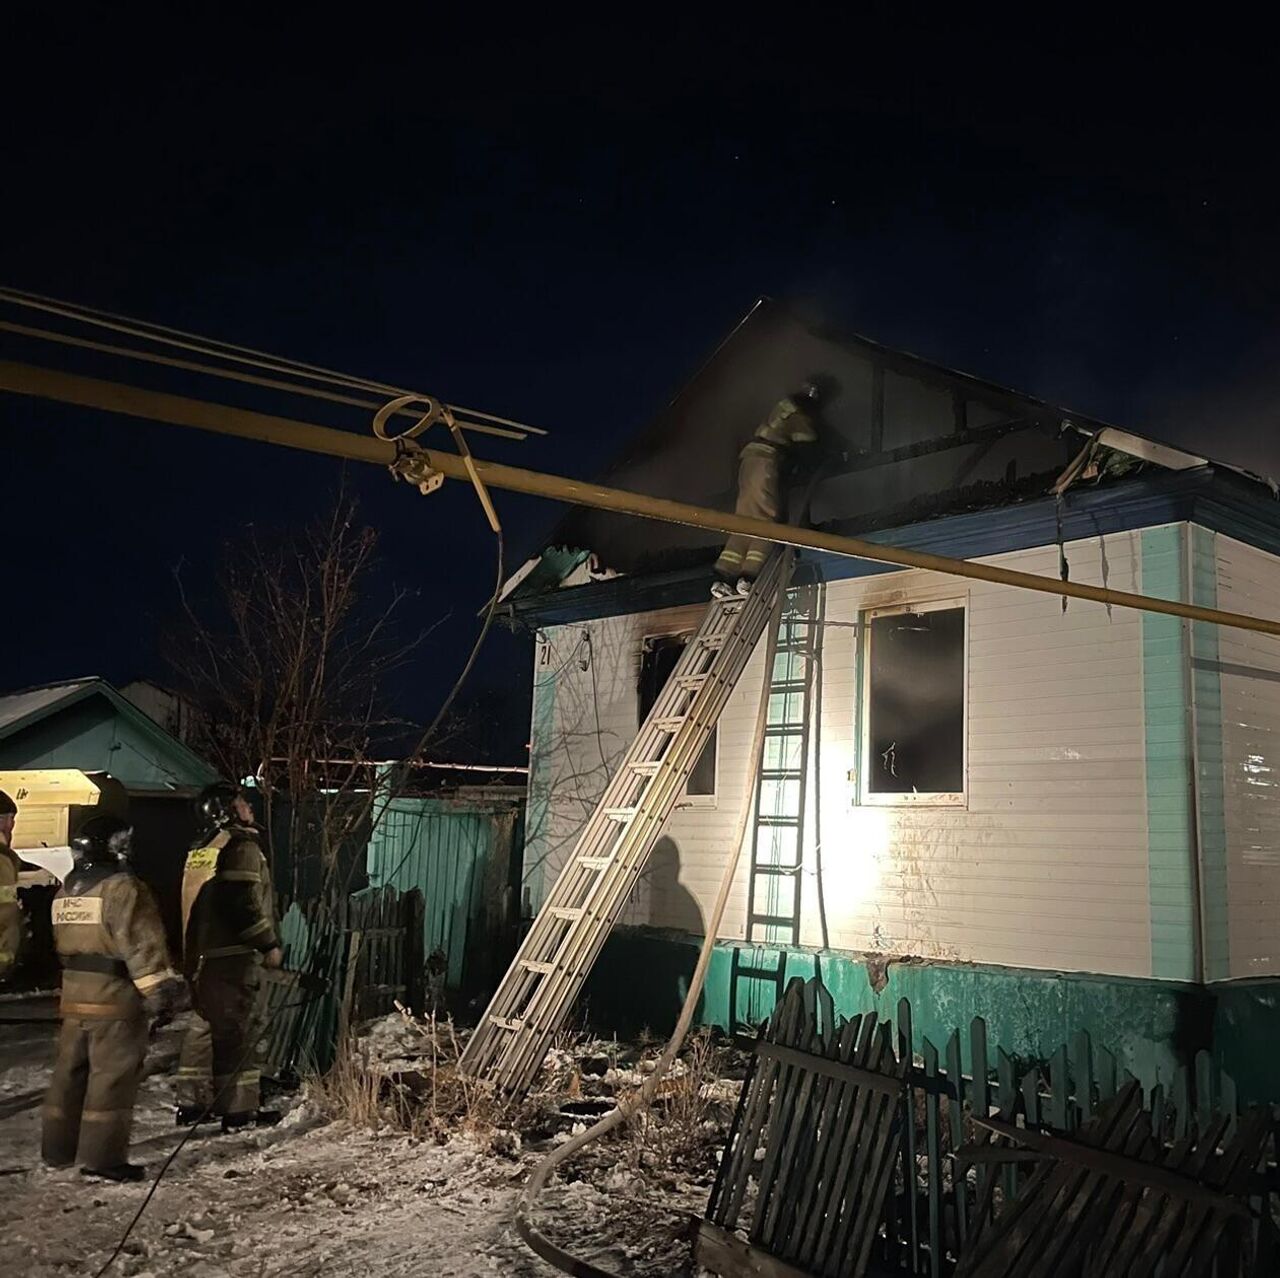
<point x="461" y="854"/>
<point x="939" y="1190"/>
<point x="355" y="959"/>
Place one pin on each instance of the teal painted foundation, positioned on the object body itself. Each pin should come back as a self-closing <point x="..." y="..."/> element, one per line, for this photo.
<point x="642" y="976"/>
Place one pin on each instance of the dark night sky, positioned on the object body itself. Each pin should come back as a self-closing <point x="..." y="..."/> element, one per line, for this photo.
<point x="558" y="225"/>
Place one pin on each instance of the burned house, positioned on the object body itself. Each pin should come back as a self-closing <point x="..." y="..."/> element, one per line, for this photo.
<point x="1058" y="817"/>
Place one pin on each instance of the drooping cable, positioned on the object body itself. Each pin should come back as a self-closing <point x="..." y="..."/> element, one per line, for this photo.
<point x="204" y="1115"/>
<point x="232" y="352"/>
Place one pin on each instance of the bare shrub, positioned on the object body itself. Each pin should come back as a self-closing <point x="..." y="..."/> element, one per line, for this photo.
<point x="683" y="1126"/>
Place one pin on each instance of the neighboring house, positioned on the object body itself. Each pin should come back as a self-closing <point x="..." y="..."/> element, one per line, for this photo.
<point x="1056" y="818"/>
<point x="144" y="772"/>
<point x="172" y="711"/>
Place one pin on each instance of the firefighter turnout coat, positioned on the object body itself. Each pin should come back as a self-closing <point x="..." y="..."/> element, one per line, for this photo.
<point x="760" y="467"/>
<point x="228" y="909"/>
<point x="10" y="910"/>
<point x="115" y="968"/>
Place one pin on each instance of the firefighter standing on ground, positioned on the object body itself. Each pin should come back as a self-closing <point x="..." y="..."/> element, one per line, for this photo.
<point x="10" y="911"/>
<point x="229" y="935"/>
<point x="790" y="425"/>
<point x="115" y="974"/>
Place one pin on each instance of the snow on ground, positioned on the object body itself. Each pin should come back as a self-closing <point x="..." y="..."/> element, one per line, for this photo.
<point x="315" y="1196"/>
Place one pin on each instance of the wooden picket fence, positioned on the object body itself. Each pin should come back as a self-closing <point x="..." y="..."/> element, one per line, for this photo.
<point x="849" y="1154"/>
<point x="346" y="962"/>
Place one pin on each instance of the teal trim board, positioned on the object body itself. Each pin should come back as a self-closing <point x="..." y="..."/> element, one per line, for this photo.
<point x="640" y="980"/>
<point x="1206" y="684"/>
<point x="1170" y="820"/>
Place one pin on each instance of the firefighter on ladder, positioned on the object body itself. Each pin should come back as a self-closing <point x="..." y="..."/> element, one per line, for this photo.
<point x="229" y="936"/>
<point x="790" y="426"/>
<point x="115" y="974"/>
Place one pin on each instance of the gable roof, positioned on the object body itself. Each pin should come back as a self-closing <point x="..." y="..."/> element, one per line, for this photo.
<point x="907" y="440"/>
<point x="27" y="708"/>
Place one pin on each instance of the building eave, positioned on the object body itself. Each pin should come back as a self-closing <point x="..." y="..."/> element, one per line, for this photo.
<point x="1218" y="500"/>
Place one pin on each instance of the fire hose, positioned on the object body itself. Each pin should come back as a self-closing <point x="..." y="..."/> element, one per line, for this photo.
<point x="630" y="1106"/>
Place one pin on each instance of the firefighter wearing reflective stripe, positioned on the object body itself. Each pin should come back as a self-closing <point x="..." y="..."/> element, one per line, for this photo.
<point x="790" y="424"/>
<point x="10" y="911"/>
<point x="229" y="934"/>
<point x="115" y="973"/>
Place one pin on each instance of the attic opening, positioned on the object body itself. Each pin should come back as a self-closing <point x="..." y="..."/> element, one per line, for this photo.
<point x="914" y="704"/>
<point x="657" y="660"/>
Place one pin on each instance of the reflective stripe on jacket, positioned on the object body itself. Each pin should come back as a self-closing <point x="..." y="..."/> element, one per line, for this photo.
<point x="228" y="906"/>
<point x="109" y="936"/>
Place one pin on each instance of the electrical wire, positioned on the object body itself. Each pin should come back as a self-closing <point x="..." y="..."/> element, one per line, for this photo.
<point x="399" y="789"/>
<point x="188" y="1134"/>
<point x="230" y="351"/>
<point x="227" y="374"/>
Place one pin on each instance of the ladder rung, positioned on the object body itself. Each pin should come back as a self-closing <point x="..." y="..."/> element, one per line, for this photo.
<point x="595" y="862"/>
<point x="712" y="642"/>
<point x="778" y="871"/>
<point x="532" y="965"/>
<point x="691" y="682"/>
<point x="672" y="724"/>
<point x="647" y="769"/>
<point x="782" y="822"/>
<point x="507" y="1023"/>
<point x="773" y="920"/>
<point x="568" y="913"/>
<point x="758" y="973"/>
<point x="620" y="814"/>
<point x="781" y="774"/>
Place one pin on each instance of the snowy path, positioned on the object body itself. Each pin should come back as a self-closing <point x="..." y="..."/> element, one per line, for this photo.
<point x="310" y="1198"/>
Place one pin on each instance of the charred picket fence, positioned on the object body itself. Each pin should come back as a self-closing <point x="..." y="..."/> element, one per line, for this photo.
<point x="848" y="1154"/>
<point x="346" y="961"/>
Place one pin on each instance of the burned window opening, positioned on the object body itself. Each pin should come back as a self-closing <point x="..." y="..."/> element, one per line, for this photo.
<point x="657" y="661"/>
<point x="914" y="703"/>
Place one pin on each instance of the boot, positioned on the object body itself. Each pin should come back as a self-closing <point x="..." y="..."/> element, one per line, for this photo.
<point x="721" y="590"/>
<point x="258" y="1118"/>
<point x="189" y="1115"/>
<point x="743" y="588"/>
<point x="124" y="1173"/>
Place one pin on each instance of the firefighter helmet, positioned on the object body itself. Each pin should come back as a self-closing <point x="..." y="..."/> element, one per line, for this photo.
<point x="103" y="838"/>
<point x="215" y="807"/>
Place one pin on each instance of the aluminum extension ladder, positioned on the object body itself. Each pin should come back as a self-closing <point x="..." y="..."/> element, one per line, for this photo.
<point x="569" y="931"/>
<point x="777" y="851"/>
<point x="758" y="970"/>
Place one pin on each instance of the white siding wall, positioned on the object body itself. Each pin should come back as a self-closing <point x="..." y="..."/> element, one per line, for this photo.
<point x="1045" y="866"/>
<point x="1249" y="582"/>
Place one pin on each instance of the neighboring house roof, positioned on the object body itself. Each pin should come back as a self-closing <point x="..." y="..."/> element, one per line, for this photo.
<point x="87" y="724"/>
<point x="908" y="442"/>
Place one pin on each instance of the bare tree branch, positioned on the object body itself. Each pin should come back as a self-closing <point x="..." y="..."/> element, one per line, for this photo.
<point x="287" y="667"/>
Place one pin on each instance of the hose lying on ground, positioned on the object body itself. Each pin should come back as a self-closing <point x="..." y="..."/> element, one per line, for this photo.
<point x="627" y="1108"/>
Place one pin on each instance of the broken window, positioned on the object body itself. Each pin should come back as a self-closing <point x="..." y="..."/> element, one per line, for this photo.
<point x="657" y="662"/>
<point x="913" y="709"/>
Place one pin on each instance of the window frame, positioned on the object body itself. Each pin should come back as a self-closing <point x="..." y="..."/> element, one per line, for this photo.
<point x="686" y="799"/>
<point x="895" y="799"/>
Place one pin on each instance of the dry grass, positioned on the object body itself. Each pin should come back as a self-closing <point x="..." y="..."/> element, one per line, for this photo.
<point x="431" y="1099"/>
<point x="425" y="1095"/>
<point x="684" y="1125"/>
